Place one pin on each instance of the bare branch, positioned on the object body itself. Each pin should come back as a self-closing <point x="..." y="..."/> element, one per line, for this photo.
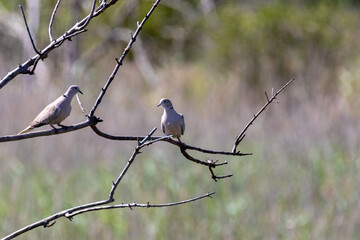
<point x="89" y="122"/>
<point x="94" y="206"/>
<point x="169" y="140"/>
<point x="82" y="26"/>
<point x="141" y="205"/>
<point x="241" y="136"/>
<point x="215" y="177"/>
<point x="81" y="106"/>
<point x="120" y="61"/>
<point x="28" y="30"/>
<point x="52" y="20"/>
<point x="24" y="67"/>
<point x="128" y="164"/>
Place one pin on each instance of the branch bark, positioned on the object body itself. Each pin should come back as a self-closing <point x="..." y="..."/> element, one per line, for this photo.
<point x="95" y="206"/>
<point x="241" y="136"/>
<point x="76" y="29"/>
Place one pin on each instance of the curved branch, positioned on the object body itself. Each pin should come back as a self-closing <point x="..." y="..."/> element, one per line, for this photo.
<point x="94" y="206"/>
<point x="139" y="205"/>
<point x="82" y="26"/>
<point x="24" y="67"/>
<point x="89" y="122"/>
<point x="241" y="136"/>
<point x="169" y="140"/>
<point x="120" y="61"/>
<point x="28" y="30"/>
<point x="52" y="20"/>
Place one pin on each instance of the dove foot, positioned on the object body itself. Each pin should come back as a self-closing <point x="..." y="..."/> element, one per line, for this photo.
<point x="63" y="126"/>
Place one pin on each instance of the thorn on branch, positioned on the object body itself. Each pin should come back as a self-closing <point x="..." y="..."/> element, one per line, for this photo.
<point x="267" y="98"/>
<point x="130" y="207"/>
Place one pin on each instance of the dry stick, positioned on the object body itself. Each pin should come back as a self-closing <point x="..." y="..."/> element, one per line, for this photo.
<point x="120" y="61"/>
<point x="185" y="146"/>
<point x="28" y="30"/>
<point x="69" y="213"/>
<point x="52" y="20"/>
<point x="24" y="67"/>
<point x="92" y="119"/>
<point x="210" y="163"/>
<point x="141" y="205"/>
<point x="241" y="136"/>
<point x="88" y="122"/>
<point x="80" y="27"/>
<point x="81" y="106"/>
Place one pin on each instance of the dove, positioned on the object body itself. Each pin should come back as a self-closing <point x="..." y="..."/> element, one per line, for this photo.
<point x="172" y="123"/>
<point x="55" y="112"/>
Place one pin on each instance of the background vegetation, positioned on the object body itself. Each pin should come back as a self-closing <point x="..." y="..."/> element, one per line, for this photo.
<point x="214" y="59"/>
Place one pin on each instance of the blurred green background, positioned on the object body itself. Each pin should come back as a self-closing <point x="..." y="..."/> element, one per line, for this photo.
<point x="214" y="59"/>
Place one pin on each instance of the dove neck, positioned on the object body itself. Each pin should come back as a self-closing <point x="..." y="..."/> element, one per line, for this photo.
<point x="69" y="95"/>
<point x="168" y="110"/>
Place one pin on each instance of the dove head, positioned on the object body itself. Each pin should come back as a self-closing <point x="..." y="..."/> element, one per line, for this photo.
<point x="74" y="89"/>
<point x="166" y="103"/>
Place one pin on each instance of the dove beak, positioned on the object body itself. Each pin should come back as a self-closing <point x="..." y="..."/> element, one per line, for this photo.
<point x="159" y="105"/>
<point x="80" y="91"/>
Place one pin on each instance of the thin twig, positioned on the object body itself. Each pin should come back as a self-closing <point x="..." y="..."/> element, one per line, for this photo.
<point x="81" y="106"/>
<point x="28" y="30"/>
<point x="241" y="136"/>
<point x="141" y="205"/>
<point x="128" y="164"/>
<point x="52" y="20"/>
<point x="120" y="61"/>
<point x="185" y="146"/>
<point x="216" y="177"/>
<point x="67" y="129"/>
<point x="71" y="212"/>
<point x="24" y="68"/>
<point x="82" y="26"/>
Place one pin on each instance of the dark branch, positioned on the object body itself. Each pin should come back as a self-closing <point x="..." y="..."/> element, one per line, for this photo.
<point x="67" y="129"/>
<point x="241" y="136"/>
<point x="120" y="61"/>
<point x="169" y="140"/>
<point x="141" y="205"/>
<point x="94" y="206"/>
<point x="24" y="67"/>
<point x="28" y="30"/>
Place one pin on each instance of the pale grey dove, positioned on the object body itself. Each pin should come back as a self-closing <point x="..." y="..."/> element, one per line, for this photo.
<point x="172" y="123"/>
<point x="55" y="112"/>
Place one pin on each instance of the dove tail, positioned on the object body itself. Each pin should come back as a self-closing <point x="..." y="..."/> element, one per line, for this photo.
<point x="28" y="129"/>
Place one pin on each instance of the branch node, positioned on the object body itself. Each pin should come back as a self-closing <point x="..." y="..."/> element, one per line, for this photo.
<point x="48" y="224"/>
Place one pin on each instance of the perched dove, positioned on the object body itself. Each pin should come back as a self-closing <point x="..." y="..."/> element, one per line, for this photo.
<point x="172" y="123"/>
<point x="55" y="112"/>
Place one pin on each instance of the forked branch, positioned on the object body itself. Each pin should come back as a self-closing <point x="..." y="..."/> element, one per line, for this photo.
<point x="241" y="136"/>
<point x="29" y="66"/>
<point x="102" y="205"/>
